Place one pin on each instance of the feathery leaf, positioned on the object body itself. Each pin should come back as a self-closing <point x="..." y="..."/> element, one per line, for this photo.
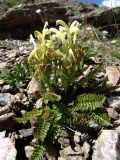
<point x="32" y="114"/>
<point x="38" y="153"/>
<point x="41" y="129"/>
<point x="51" y="97"/>
<point x="89" y="102"/>
<point x="100" y="118"/>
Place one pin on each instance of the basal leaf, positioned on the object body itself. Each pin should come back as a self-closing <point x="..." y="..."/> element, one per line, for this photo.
<point x="51" y="97"/>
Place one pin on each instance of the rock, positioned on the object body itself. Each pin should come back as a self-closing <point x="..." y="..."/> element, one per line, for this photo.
<point x="12" y="55"/>
<point x="117" y="90"/>
<point x="107" y="146"/>
<point x="86" y="150"/>
<point x="69" y="154"/>
<point x="113" y="75"/>
<point x="13" y="46"/>
<point x="117" y="122"/>
<point x="6" y="88"/>
<point x="4" y="110"/>
<point x="114" y="102"/>
<point x="20" y="97"/>
<point x="26" y="132"/>
<point x="5" y="98"/>
<point x="104" y="18"/>
<point x="28" y="151"/>
<point x="88" y="70"/>
<point x="88" y="8"/>
<point x="23" y="19"/>
<point x="60" y="158"/>
<point x="7" y="121"/>
<point x="22" y="112"/>
<point x="7" y="148"/>
<point x="78" y="148"/>
<point x="100" y="75"/>
<point x="77" y="137"/>
<point x="64" y="139"/>
<point x="6" y="116"/>
<point x="39" y="103"/>
<point x="112" y="113"/>
<point x="65" y="142"/>
<point x="19" y="102"/>
<point x="33" y="89"/>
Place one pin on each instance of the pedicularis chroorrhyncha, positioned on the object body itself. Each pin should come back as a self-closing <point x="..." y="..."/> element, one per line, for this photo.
<point x="70" y="97"/>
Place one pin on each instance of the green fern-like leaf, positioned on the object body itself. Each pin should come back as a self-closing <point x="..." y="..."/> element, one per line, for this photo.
<point x="89" y="102"/>
<point x="51" y="97"/>
<point x="20" y="73"/>
<point x="57" y="116"/>
<point x="55" y="127"/>
<point x="44" y="123"/>
<point x="90" y="75"/>
<point x="53" y="133"/>
<point x="38" y="153"/>
<point x="41" y="129"/>
<point x="32" y="114"/>
<point x="100" y="118"/>
<point x="74" y="119"/>
<point x="100" y="87"/>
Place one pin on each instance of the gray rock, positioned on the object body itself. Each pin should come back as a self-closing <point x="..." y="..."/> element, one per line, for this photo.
<point x="104" y="18"/>
<point x="7" y="121"/>
<point x="19" y="102"/>
<point x="4" y="110"/>
<point x="117" y="122"/>
<point x="39" y="103"/>
<point x="86" y="150"/>
<point x="114" y="102"/>
<point x="7" y="148"/>
<point x="64" y="139"/>
<point x="28" y="151"/>
<point x="6" y="88"/>
<point x="26" y="132"/>
<point x="88" y="70"/>
<point x="33" y="89"/>
<point x="23" y="18"/>
<point x="61" y="158"/>
<point x="77" y="137"/>
<point x="112" y="113"/>
<point x="22" y="112"/>
<point x="65" y="142"/>
<point x="20" y="97"/>
<point x="69" y="154"/>
<point x="107" y="146"/>
<point x="6" y="118"/>
<point x="5" y="98"/>
<point x="113" y="75"/>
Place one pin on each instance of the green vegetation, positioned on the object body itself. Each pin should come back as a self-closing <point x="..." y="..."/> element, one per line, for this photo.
<point x="11" y="2"/>
<point x="71" y="97"/>
<point x="17" y="76"/>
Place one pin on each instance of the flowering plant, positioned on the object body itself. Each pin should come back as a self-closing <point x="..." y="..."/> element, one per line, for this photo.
<point x="59" y="64"/>
<point x="58" y="58"/>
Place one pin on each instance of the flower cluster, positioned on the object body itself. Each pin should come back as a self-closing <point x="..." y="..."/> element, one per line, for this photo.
<point x="58" y="52"/>
<point x="57" y="43"/>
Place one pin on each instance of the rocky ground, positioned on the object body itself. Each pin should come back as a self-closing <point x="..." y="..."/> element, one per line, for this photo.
<point x="16" y="140"/>
<point x="24" y="19"/>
